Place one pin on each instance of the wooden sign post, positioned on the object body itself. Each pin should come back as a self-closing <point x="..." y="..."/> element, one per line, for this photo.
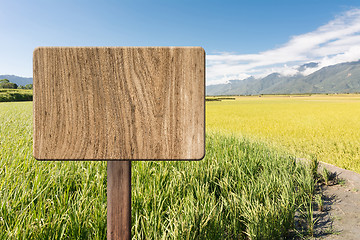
<point x="119" y="104"/>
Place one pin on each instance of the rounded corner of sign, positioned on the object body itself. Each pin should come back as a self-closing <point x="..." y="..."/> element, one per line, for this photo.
<point x="36" y="50"/>
<point x="38" y="158"/>
<point x="201" y="157"/>
<point x="200" y="50"/>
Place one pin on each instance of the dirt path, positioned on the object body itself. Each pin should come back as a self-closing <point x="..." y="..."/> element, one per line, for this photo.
<point x="340" y="218"/>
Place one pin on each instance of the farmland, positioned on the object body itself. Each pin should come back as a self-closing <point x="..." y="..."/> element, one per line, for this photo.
<point x="10" y="95"/>
<point x="326" y="127"/>
<point x="243" y="189"/>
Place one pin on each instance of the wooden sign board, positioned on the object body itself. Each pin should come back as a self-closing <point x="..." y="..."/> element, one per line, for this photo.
<point x="119" y="103"/>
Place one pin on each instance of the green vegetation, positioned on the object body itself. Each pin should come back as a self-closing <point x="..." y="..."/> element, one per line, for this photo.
<point x="243" y="189"/>
<point x="27" y="86"/>
<point x="10" y="92"/>
<point x="325" y="127"/>
<point x="219" y="98"/>
<point x="46" y="200"/>
<point x="5" y="83"/>
<point x="12" y="95"/>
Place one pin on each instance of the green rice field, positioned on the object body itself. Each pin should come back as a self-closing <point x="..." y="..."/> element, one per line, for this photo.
<point x="244" y="188"/>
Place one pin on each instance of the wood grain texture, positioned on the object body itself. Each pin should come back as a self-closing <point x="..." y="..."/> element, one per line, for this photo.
<point x="119" y="200"/>
<point x="113" y="103"/>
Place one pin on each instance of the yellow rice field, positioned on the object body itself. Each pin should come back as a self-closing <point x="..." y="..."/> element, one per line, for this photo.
<point x="323" y="126"/>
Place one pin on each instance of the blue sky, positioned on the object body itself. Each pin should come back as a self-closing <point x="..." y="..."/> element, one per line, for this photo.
<point x="241" y="38"/>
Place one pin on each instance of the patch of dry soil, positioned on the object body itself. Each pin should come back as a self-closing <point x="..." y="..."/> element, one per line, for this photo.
<point x="340" y="215"/>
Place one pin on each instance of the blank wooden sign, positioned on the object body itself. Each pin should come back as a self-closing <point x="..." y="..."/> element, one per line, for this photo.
<point x="119" y="103"/>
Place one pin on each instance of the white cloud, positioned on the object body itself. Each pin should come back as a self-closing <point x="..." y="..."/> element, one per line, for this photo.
<point x="335" y="42"/>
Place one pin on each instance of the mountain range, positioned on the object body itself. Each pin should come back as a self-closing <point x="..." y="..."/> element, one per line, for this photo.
<point x="339" y="78"/>
<point x="18" y="80"/>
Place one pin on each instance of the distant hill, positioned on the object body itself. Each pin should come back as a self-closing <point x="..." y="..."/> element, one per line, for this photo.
<point x="339" y="78"/>
<point x="18" y="80"/>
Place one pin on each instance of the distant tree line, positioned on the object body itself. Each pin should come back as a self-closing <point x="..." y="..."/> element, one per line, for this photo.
<point x="5" y="83"/>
